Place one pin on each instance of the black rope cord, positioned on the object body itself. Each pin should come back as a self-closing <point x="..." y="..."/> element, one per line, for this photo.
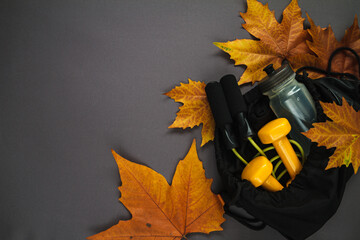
<point x="339" y="50"/>
<point x="328" y="72"/>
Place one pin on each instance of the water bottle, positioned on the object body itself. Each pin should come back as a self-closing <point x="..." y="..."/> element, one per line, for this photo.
<point x="290" y="99"/>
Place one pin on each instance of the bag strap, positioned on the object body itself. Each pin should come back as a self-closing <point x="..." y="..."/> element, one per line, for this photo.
<point x="252" y="223"/>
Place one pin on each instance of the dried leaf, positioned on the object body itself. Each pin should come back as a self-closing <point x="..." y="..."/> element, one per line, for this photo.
<point x="196" y="109"/>
<point x="278" y="41"/>
<point x="160" y="211"/>
<point x="343" y="132"/>
<point x="288" y="40"/>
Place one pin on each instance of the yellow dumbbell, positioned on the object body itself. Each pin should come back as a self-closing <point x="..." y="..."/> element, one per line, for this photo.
<point x="258" y="172"/>
<point x="275" y="132"/>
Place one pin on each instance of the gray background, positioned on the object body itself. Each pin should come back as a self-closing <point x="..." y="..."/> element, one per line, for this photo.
<point x="78" y="78"/>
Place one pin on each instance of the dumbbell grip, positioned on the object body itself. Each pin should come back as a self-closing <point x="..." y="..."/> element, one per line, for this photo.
<point x="272" y="185"/>
<point x="288" y="156"/>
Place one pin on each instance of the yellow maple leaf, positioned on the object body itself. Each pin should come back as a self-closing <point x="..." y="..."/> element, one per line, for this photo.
<point x="196" y="109"/>
<point x="343" y="132"/>
<point x="278" y="41"/>
<point x="161" y="211"/>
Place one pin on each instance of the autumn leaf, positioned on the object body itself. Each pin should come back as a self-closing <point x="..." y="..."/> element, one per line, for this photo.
<point x="324" y="43"/>
<point x="289" y="40"/>
<point x="277" y="41"/>
<point x="196" y="109"/>
<point x="343" y="132"/>
<point x="160" y="211"/>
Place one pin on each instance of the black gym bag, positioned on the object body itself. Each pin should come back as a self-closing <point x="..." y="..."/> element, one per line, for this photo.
<point x="315" y="194"/>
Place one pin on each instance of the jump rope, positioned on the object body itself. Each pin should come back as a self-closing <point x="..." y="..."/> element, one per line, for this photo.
<point x="229" y="111"/>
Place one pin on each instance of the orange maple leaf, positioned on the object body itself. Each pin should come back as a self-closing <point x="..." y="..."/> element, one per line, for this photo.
<point x="278" y="41"/>
<point x="324" y="43"/>
<point x="160" y="211"/>
<point x="196" y="109"/>
<point x="343" y="133"/>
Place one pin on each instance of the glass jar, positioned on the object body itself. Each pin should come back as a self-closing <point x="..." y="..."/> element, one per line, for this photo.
<point x="291" y="100"/>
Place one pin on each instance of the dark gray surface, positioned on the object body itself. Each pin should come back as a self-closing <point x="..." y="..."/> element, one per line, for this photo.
<point x="81" y="77"/>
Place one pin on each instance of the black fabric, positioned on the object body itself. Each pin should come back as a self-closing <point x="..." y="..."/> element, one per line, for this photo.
<point x="259" y="112"/>
<point x="332" y="89"/>
<point x="314" y="196"/>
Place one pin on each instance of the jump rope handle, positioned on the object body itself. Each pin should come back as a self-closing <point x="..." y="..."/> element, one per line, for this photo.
<point x="221" y="114"/>
<point x="237" y="105"/>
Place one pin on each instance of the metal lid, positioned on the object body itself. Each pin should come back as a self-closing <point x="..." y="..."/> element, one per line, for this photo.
<point x="275" y="77"/>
